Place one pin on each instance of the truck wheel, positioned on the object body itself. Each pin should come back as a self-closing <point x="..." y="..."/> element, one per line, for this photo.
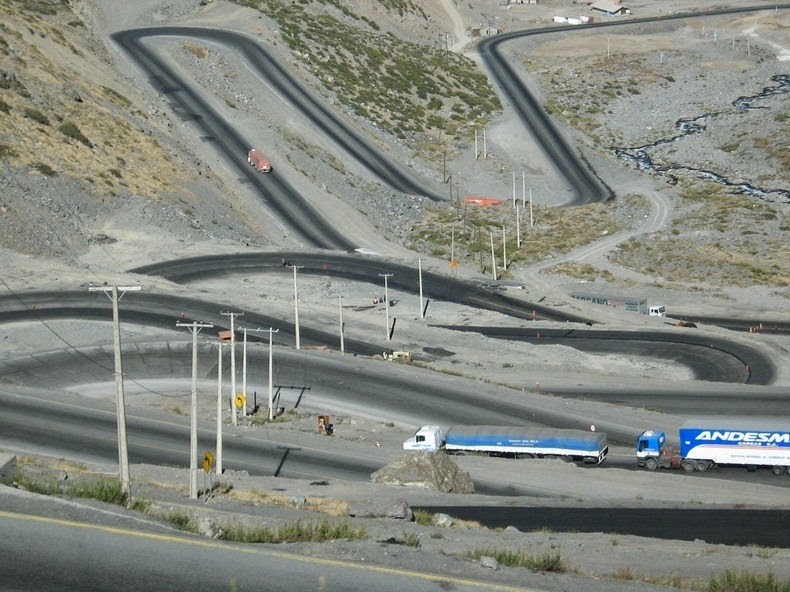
<point x="703" y="465"/>
<point x="651" y="464"/>
<point x="522" y="455"/>
<point x="778" y="470"/>
<point x="688" y="466"/>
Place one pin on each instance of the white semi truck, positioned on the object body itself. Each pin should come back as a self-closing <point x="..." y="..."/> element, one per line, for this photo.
<point x="518" y="442"/>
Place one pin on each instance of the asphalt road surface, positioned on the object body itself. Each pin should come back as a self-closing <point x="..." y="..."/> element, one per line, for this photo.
<point x="92" y="550"/>
<point x="717" y="527"/>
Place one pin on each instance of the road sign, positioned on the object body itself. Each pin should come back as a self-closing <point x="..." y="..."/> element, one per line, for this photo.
<point x="208" y="460"/>
<point x="240" y="398"/>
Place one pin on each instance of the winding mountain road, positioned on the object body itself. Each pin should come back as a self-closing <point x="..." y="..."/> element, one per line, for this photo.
<point x="418" y="395"/>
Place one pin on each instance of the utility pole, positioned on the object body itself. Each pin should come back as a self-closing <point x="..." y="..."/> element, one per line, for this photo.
<point x="120" y="401"/>
<point x="504" y="248"/>
<point x="244" y="371"/>
<point x="514" y="189"/>
<point x="219" y="410"/>
<point x="518" y="228"/>
<point x="419" y="280"/>
<point x="493" y="257"/>
<point x="232" y="316"/>
<point x="244" y="374"/>
<point x="453" y="264"/>
<point x="296" y="309"/>
<point x="386" y="302"/>
<point x="271" y="375"/>
<point x="531" y="219"/>
<point x="340" y="306"/>
<point x="194" y="328"/>
<point x="480" y="249"/>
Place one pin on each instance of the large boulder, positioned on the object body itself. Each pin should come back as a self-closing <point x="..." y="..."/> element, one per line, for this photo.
<point x="432" y="470"/>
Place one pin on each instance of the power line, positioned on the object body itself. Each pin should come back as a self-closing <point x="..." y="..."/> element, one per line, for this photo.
<point x="78" y="350"/>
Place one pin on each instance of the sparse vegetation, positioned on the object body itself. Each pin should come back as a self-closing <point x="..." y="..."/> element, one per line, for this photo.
<point x="409" y="539"/>
<point x="709" y="235"/>
<point x="582" y="271"/>
<point x="116" y="96"/>
<point x="328" y="506"/>
<point x="624" y="573"/>
<point x="141" y="505"/>
<point x="7" y="151"/>
<point x="102" y="489"/>
<point x="45" y="169"/>
<point x="70" y="130"/>
<point x="196" y="50"/>
<point x="546" y="561"/>
<point x="180" y="520"/>
<point x="467" y="230"/>
<point x="423" y="518"/>
<point x="296" y="532"/>
<point x="698" y="246"/>
<point x="746" y="581"/>
<point x="287" y="415"/>
<point x="36" y="115"/>
<point x="102" y="116"/>
<point x="729" y="581"/>
<point x="421" y="89"/>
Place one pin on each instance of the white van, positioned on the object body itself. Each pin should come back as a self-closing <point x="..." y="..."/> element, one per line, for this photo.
<point x="658" y="311"/>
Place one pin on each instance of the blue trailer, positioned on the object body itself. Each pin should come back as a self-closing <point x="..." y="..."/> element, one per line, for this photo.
<point x="705" y="445"/>
<point x="518" y="442"/>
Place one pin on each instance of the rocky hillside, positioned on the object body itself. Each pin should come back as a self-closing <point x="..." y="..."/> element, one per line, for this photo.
<point x="80" y="148"/>
<point x="87" y="155"/>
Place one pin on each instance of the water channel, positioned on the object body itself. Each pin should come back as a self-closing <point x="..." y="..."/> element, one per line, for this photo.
<point x="641" y="158"/>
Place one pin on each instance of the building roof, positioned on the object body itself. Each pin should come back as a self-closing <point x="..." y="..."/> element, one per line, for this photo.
<point x="607" y="6"/>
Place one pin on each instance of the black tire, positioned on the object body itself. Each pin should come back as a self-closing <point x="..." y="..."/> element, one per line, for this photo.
<point x="778" y="470"/>
<point x="703" y="465"/>
<point x="688" y="466"/>
<point x="651" y="464"/>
